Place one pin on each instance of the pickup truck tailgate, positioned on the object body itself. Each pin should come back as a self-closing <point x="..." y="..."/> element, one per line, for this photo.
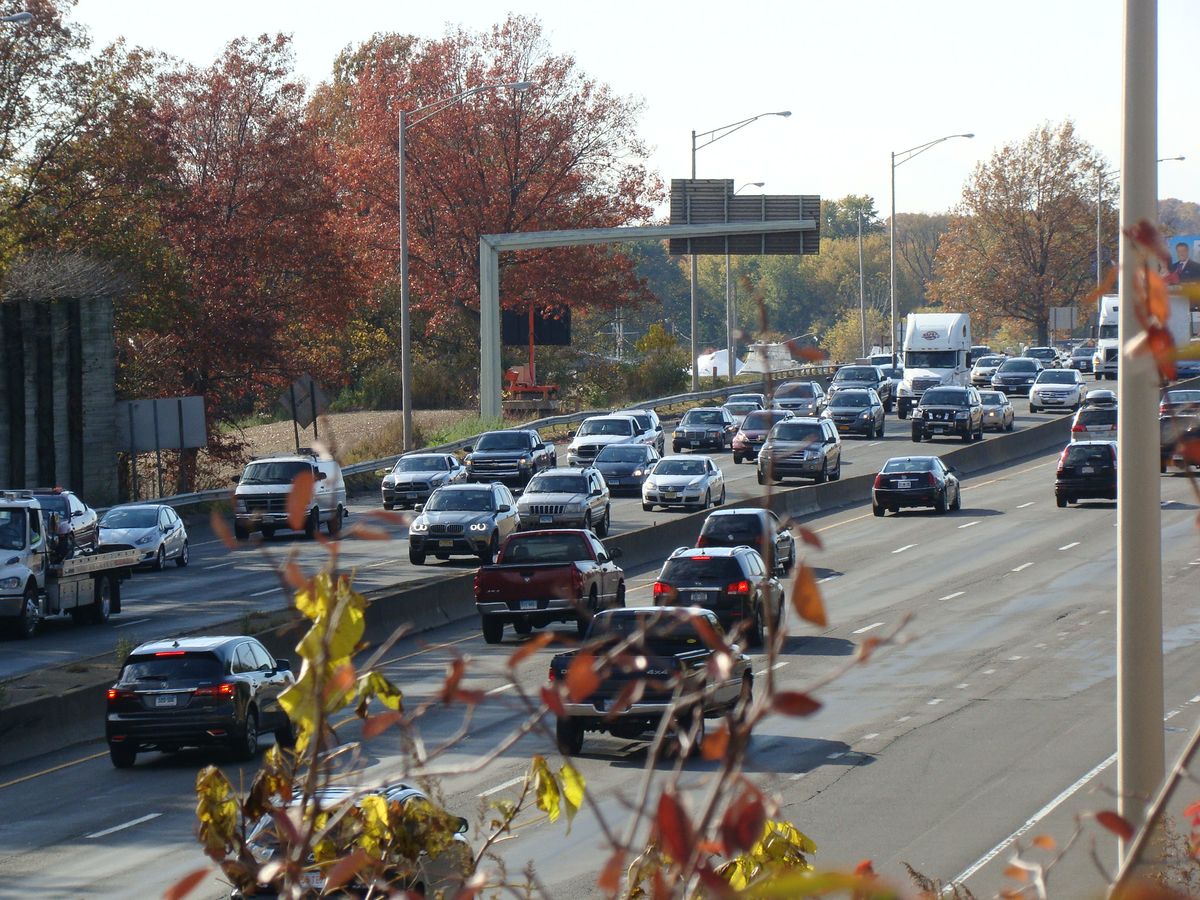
<point x="514" y="582"/>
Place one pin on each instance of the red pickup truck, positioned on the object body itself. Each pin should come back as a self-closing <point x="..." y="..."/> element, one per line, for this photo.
<point x="564" y="575"/>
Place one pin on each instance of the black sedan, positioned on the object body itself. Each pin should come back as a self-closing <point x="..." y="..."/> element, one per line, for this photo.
<point x="625" y="466"/>
<point x="197" y="691"/>
<point x="1087" y="470"/>
<point x="759" y="529"/>
<point x="1016" y="375"/>
<point x="856" y="411"/>
<point x="908" y="481"/>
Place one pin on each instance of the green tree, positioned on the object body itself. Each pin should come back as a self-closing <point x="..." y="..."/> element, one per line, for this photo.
<point x="1178" y="217"/>
<point x="839" y="218"/>
<point x="843" y="340"/>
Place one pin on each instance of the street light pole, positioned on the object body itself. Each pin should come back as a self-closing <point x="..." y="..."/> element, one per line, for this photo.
<point x="730" y="306"/>
<point x="712" y="136"/>
<point x="419" y="115"/>
<point x="906" y="155"/>
<point x="862" y="291"/>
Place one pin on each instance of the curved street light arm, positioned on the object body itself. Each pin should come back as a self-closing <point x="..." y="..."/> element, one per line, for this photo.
<point x="432" y="109"/>
<point x="914" y="152"/>
<point x="723" y="131"/>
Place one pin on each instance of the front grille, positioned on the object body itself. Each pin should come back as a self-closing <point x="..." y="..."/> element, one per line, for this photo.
<point x="587" y="451"/>
<point x="1110" y="354"/>
<point x="266" y="504"/>
<point x="411" y="486"/>
<point x="920" y="385"/>
<point x="445" y="529"/>
<point x="546" y="509"/>
<point x="938" y="415"/>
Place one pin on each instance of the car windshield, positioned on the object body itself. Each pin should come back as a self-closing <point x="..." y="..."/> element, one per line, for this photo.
<point x="680" y="467"/>
<point x="1057" y="376"/>
<point x="944" y="397"/>
<point x="896" y="372"/>
<point x="989" y="362"/>
<point x="665" y="634"/>
<point x="689" y="570"/>
<point x="617" y="453"/>
<point x="1018" y="365"/>
<point x="130" y="517"/>
<point x="1182" y="397"/>
<point x="744" y="398"/>
<point x="1081" y="353"/>
<point x="12" y="529"/>
<point x="422" y="464"/>
<point x="931" y="359"/>
<point x="274" y="472"/>
<point x="850" y="400"/>
<point x="738" y="529"/>
<point x="643" y="420"/>
<point x="992" y="398"/>
<point x="1093" y="418"/>
<point x="1078" y="454"/>
<point x="762" y="420"/>
<point x="741" y="409"/>
<point x="1041" y="352"/>
<point x="557" y="484"/>
<point x="797" y="432"/>
<point x="460" y="501"/>
<point x="855" y="373"/>
<point x="547" y="548"/>
<point x="503" y="440"/>
<point x="703" y="417"/>
<point x="909" y="464"/>
<point x="795" y="390"/>
<point x="52" y="503"/>
<point x="619" y="427"/>
<point x="185" y="667"/>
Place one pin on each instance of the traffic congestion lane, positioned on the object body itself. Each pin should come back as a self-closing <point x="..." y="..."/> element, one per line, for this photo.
<point x="220" y="584"/>
<point x="830" y="747"/>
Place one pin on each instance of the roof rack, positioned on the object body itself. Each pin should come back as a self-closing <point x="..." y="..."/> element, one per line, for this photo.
<point x="19" y="494"/>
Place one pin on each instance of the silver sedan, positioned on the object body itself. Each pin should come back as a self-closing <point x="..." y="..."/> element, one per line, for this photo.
<point x="684" y="481"/>
<point x="153" y="529"/>
<point x="998" y="412"/>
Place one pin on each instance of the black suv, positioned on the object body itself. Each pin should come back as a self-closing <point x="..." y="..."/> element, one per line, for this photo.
<point x="1087" y="470"/>
<point x="733" y="582"/>
<point x="949" y="411"/>
<point x="760" y="529"/>
<point x="511" y="457"/>
<point x="197" y="691"/>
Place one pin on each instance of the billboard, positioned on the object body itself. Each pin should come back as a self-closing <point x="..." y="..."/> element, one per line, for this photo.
<point x="1185" y="258"/>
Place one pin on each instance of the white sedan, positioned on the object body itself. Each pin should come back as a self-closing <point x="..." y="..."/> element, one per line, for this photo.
<point x="1057" y="389"/>
<point x="684" y="481"/>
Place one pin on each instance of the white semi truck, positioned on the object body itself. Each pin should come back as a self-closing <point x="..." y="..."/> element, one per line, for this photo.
<point x="1108" y="343"/>
<point x="937" y="351"/>
<point x="35" y="585"/>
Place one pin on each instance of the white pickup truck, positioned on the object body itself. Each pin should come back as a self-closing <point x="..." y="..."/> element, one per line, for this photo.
<point x="34" y="585"/>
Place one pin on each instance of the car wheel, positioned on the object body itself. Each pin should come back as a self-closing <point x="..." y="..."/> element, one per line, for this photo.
<point x="878" y="510"/>
<point x="1011" y="425"/>
<point x="968" y="435"/>
<point x="721" y="502"/>
<point x="246" y="740"/>
<point x="160" y="559"/>
<point x="388" y="506"/>
<point x="939" y="503"/>
<point x="268" y="534"/>
<point x="620" y="602"/>
<point x="1060" y="500"/>
<point x="707" y="500"/>
<point x="487" y="556"/>
<point x="882" y="427"/>
<point x="122" y="757"/>
<point x="568" y="732"/>
<point x="761" y="480"/>
<point x="415" y="557"/>
<point x="101" y="607"/>
<point x="493" y="629"/>
<point x="823" y="475"/>
<point x="240" y="532"/>
<point x="737" y="459"/>
<point x="646" y="507"/>
<point x="674" y="448"/>
<point x="746" y="694"/>
<point x="522" y="628"/>
<point x="1032" y="408"/>
<point x="182" y="560"/>
<point x="755" y="635"/>
<point x="837" y="473"/>
<point x="916" y="436"/>
<point x="605" y="523"/>
<point x="587" y="521"/>
<point x="311" y="524"/>
<point x="334" y="525"/>
<point x="27" y="622"/>
<point x="285" y="735"/>
<point x="957" y="504"/>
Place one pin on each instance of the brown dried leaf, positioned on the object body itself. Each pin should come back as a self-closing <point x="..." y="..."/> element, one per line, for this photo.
<point x="630" y="694"/>
<point x="185" y="885"/>
<point x="221" y="529"/>
<point x="1115" y="823"/>
<point x="553" y="699"/>
<point x="865" y="869"/>
<point x="1161" y="345"/>
<point x="384" y="515"/>
<point x="715" y="743"/>
<point x="294" y="576"/>
<point x="376" y="725"/>
<point x="1016" y="873"/>
<point x="742" y="824"/>
<point x="1105" y="286"/>
<point x="867" y="647"/>
<point x="530" y="647"/>
<point x="345" y="869"/>
<point x="1045" y="842"/>
<point x="674" y="827"/>
<point x="1157" y="302"/>
<point x="368" y="532"/>
<point x="341" y="681"/>
<point x="808" y="536"/>
<point x="1189" y="450"/>
<point x="582" y="679"/>
<point x="1149" y="241"/>
<point x="794" y="703"/>
<point x="711" y="639"/>
<point x="454" y="677"/>
<point x="610" y="876"/>
<point x="806" y="597"/>
<point x="299" y="500"/>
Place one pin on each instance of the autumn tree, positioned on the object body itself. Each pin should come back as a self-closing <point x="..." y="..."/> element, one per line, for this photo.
<point x="918" y="236"/>
<point x="1178" y="217"/>
<point x="1022" y="239"/>
<point x="839" y="218"/>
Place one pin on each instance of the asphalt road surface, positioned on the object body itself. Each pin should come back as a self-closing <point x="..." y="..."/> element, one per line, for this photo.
<point x="220" y="584"/>
<point x="997" y="715"/>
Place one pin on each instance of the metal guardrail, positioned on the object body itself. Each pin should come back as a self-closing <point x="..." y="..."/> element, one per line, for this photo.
<point x="361" y="468"/>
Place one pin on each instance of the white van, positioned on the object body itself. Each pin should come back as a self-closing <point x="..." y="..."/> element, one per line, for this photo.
<point x="937" y="352"/>
<point x="260" y="500"/>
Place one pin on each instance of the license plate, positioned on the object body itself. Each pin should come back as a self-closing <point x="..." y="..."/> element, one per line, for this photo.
<point x="685" y="443"/>
<point x="1087" y="470"/>
<point x="903" y="485"/>
<point x="312" y="880"/>
<point x="528" y="604"/>
<point x="670" y="495"/>
<point x="445" y="543"/>
<point x="698" y="597"/>
<point x="546" y="520"/>
<point x="613" y="481"/>
<point x="939" y="429"/>
<point x="411" y="496"/>
<point x="843" y="428"/>
<point x="166" y="700"/>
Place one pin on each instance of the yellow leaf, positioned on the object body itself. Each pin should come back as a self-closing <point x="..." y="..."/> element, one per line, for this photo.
<point x="545" y="788"/>
<point x="573" y="785"/>
<point x="375" y="684"/>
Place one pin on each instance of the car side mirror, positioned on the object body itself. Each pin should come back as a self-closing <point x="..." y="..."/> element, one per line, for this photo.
<point x="595" y="492"/>
<point x="235" y="479"/>
<point x="603" y="558"/>
<point x="283" y="665"/>
<point x="503" y="508"/>
<point x="75" y="514"/>
<point x="571" y="433"/>
<point x="616" y="553"/>
<point x="463" y="825"/>
<point x="469" y="448"/>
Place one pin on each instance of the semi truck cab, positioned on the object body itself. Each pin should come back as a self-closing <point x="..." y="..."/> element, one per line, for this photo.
<point x="937" y="352"/>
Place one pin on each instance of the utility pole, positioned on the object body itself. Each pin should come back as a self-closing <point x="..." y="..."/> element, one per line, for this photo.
<point x="862" y="290"/>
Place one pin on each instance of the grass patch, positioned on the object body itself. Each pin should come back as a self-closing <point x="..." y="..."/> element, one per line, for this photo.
<point x="77" y="667"/>
<point x="389" y="440"/>
<point x="123" y="649"/>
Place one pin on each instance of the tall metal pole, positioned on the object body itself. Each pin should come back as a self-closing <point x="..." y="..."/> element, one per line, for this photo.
<point x="1140" y="751"/>
<point x="695" y="302"/>
<point x="730" y="324"/>
<point x="1099" y="200"/>
<point x="405" y="325"/>
<point x="892" y="260"/>
<point x="862" y="291"/>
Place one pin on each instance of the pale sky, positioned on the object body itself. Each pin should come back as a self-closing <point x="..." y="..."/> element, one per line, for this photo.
<point x="861" y="77"/>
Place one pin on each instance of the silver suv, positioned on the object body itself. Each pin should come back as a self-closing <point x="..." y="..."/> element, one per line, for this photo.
<point x="261" y="497"/>
<point x="463" y="520"/>
<point x="802" y="447"/>
<point x="566" y="499"/>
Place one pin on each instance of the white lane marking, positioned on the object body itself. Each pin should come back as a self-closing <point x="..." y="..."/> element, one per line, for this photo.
<point x="1069" y="546"/>
<point x="501" y="689"/>
<point x="1103" y="612"/>
<point x="498" y="788"/>
<point x="934" y="702"/>
<point x="1023" y="505"/>
<point x="904" y="718"/>
<point x="1172" y="714"/>
<point x="951" y="596"/>
<point x="267" y="591"/>
<point x="969" y="524"/>
<point x="134" y="622"/>
<point x="989" y="671"/>
<point x="963" y="686"/>
<point x="220" y="565"/>
<point x="1039" y="646"/>
<point x="123" y="826"/>
<point x="1015" y="658"/>
<point x="871" y="736"/>
<point x="866" y="628"/>
<point x="1022" y="567"/>
<point x="1195" y="699"/>
<point x="1032" y="822"/>
<point x="797" y="776"/>
<point x="779" y="665"/>
<point x="905" y="547"/>
<point x="837" y="755"/>
<point x="827" y="578"/>
<point x="876" y="444"/>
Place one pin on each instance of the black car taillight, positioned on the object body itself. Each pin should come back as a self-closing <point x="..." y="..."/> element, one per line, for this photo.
<point x="930" y="479"/>
<point x="115" y="695"/>
<point x="879" y="480"/>
<point x="222" y="691"/>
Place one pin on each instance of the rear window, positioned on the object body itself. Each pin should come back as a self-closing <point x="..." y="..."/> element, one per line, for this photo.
<point x="703" y="417"/>
<point x="1081" y="454"/>
<point x="742" y="529"/>
<point x="188" y="667"/>
<point x="622" y="453"/>
<point x="992" y="398"/>
<point x="919" y="464"/>
<point x="856" y="373"/>
<point x="547" y="548"/>
<point x="1097" y="417"/>
<point x="990" y="361"/>
<point x="663" y="634"/>
<point x="692" y="570"/>
<point x="788" y="431"/>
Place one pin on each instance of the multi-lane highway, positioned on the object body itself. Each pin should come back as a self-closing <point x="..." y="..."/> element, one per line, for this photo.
<point x="221" y="585"/>
<point x="995" y="719"/>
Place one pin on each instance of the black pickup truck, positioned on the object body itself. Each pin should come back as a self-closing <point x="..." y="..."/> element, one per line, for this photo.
<point x="511" y="457"/>
<point x="668" y="655"/>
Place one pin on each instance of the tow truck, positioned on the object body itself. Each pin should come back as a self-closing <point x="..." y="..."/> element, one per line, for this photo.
<point x="36" y="585"/>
